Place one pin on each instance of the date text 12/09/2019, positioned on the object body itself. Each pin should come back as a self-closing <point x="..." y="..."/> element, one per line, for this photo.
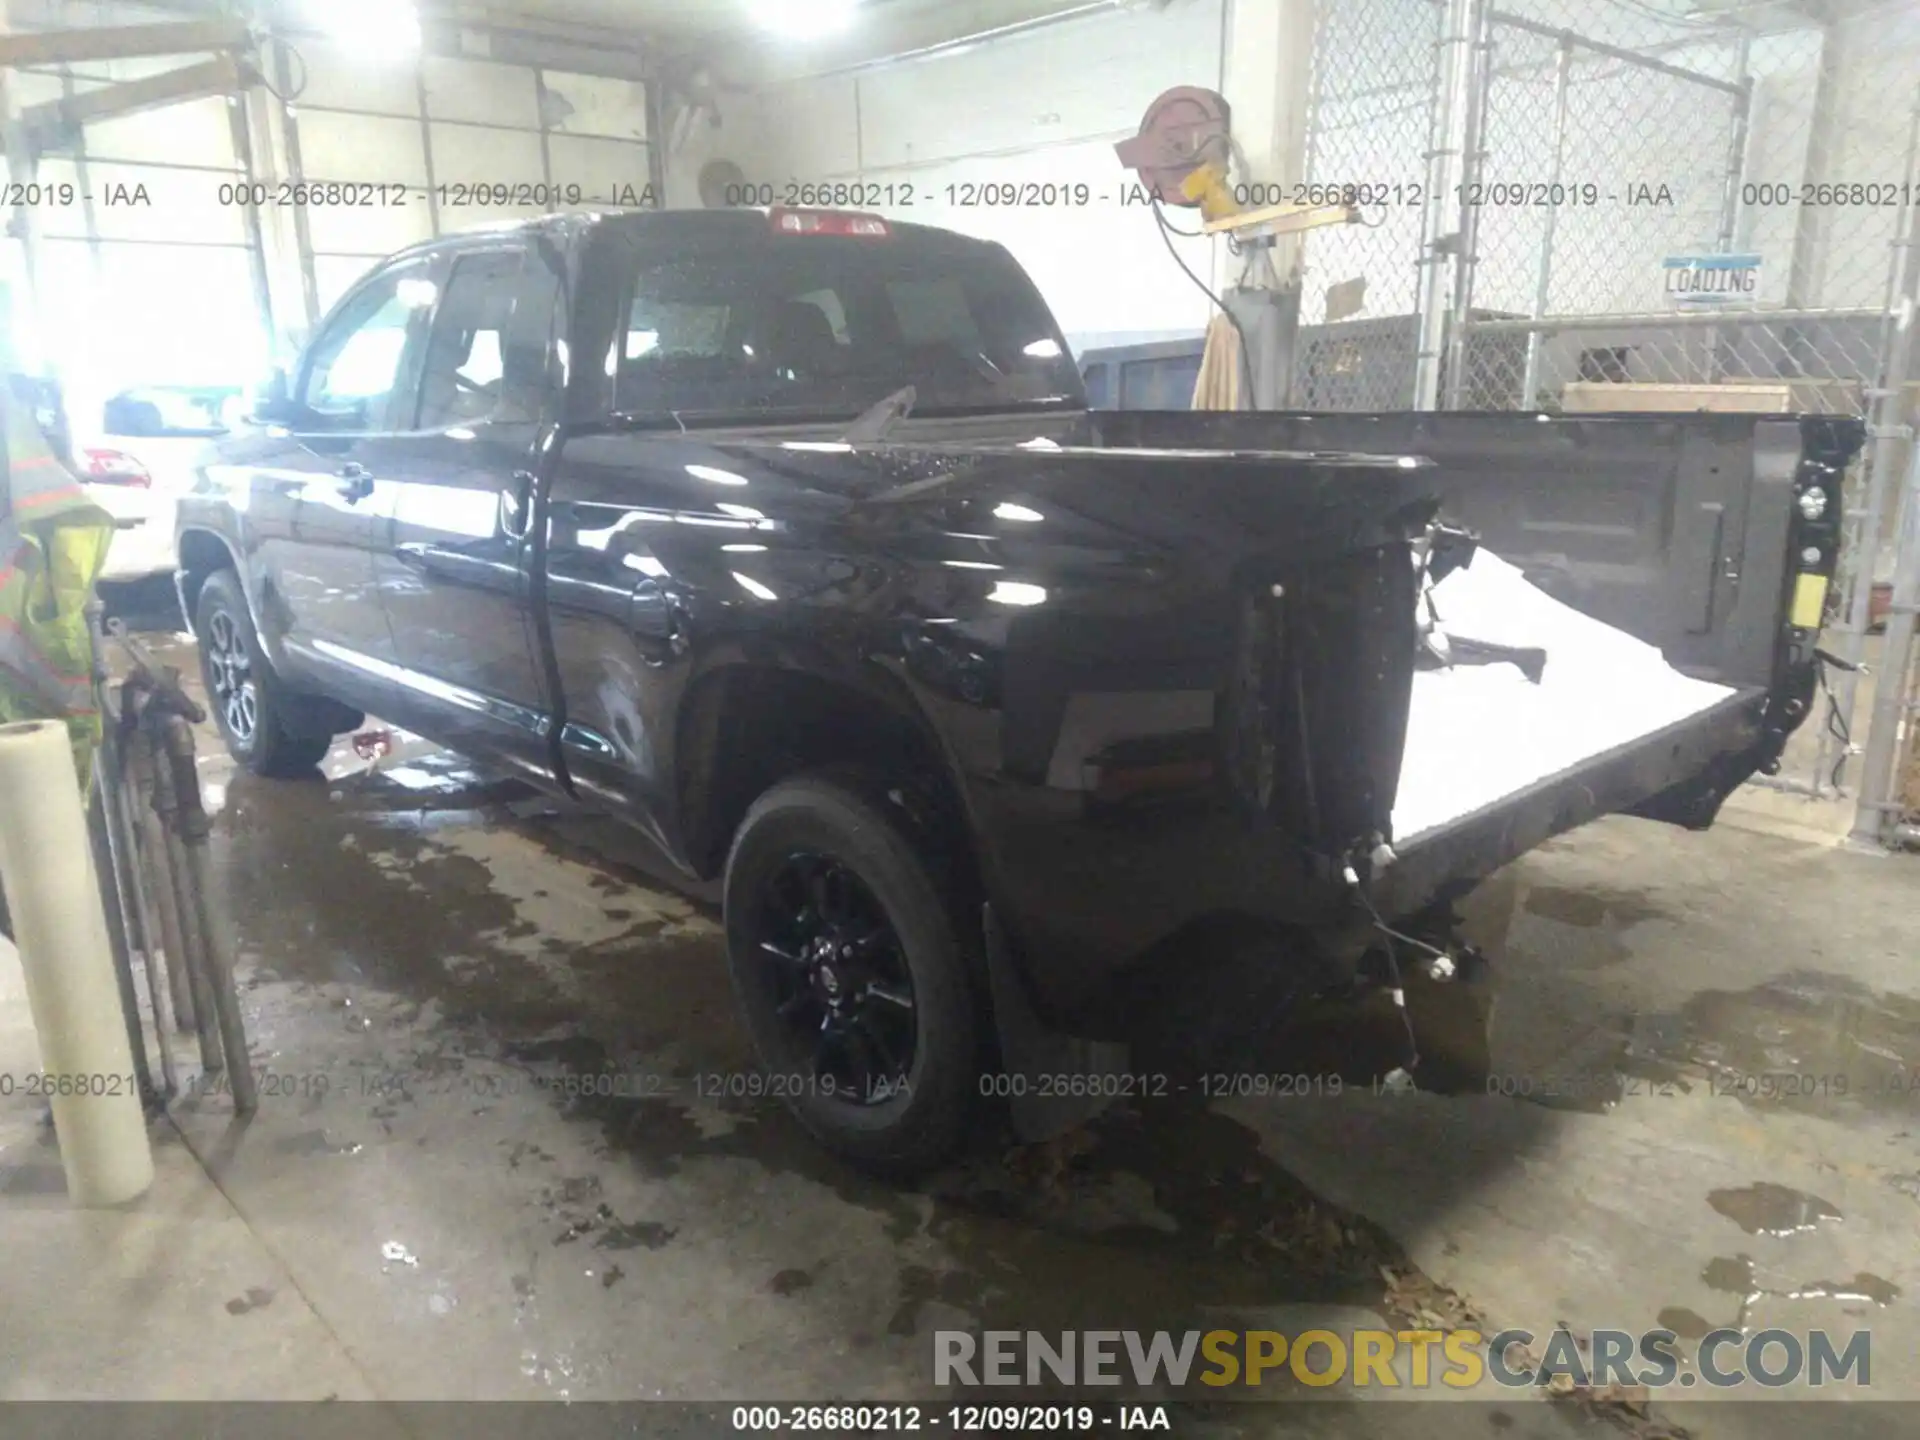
<point x="901" y="195"/>
<point x="1068" y="194"/>
<point x="951" y="1419"/>
<point x="449" y="195"/>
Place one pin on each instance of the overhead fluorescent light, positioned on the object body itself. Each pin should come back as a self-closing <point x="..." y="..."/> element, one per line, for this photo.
<point x="803" y="19"/>
<point x="371" y="27"/>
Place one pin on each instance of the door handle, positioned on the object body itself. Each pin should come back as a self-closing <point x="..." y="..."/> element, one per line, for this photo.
<point x="355" y="483"/>
<point x="516" y="506"/>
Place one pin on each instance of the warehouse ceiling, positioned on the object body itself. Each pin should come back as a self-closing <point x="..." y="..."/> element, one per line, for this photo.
<point x="733" y="38"/>
<point x="737" y="18"/>
<point x="733" y="32"/>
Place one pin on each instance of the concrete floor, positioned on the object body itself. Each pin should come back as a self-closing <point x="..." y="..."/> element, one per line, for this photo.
<point x="429" y="956"/>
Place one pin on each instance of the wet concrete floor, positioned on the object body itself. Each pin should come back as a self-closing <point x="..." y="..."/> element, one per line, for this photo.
<point x="510" y="1146"/>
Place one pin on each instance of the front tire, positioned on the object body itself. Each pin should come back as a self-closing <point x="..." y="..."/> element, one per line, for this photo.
<point x="266" y="728"/>
<point x="849" y="957"/>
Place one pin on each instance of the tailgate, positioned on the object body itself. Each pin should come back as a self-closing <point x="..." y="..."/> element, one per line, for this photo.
<point x="1703" y="750"/>
<point x="1712" y="538"/>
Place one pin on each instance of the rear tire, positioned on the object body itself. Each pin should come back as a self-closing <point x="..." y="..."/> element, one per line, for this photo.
<point x="849" y="956"/>
<point x="267" y="728"/>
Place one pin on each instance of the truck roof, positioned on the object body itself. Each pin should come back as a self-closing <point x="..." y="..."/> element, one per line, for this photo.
<point x="744" y="226"/>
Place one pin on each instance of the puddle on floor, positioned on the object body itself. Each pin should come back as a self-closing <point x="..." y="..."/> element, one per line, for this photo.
<point x="1805" y="1042"/>
<point x="1768" y="1209"/>
<point x="1130" y="1222"/>
<point x="1737" y="1275"/>
<point x="1591" y="909"/>
<point x="1863" y="1287"/>
<point x="1149" y="1213"/>
<point x="1686" y="1324"/>
<point x="1579" y="928"/>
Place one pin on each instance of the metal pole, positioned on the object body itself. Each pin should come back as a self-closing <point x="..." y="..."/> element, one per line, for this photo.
<point x="122" y="850"/>
<point x="119" y="945"/>
<point x="1879" y="767"/>
<point x="194" y="829"/>
<point x="1736" y="160"/>
<point x="161" y="981"/>
<point x="166" y="804"/>
<point x="1615" y="52"/>
<point x="1677" y="320"/>
<point x="543" y="99"/>
<point x="153" y="850"/>
<point x="240" y="126"/>
<point x="1543" y="281"/>
<point x="426" y="146"/>
<point x="1886" y="404"/>
<point x="1440" y="222"/>
<point x="23" y="165"/>
<point x="1730" y="195"/>
<point x="297" y="174"/>
<point x="1473" y="168"/>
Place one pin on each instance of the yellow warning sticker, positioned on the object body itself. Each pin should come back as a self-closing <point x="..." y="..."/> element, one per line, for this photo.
<point x="1809" y="601"/>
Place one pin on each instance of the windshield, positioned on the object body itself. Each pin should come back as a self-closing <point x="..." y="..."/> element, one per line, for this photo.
<point x="829" y="326"/>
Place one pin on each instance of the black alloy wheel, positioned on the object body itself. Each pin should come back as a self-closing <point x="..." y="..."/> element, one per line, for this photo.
<point x="852" y="958"/>
<point x="839" y="978"/>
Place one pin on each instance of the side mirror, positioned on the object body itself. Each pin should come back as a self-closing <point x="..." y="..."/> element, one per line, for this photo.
<point x="273" y="404"/>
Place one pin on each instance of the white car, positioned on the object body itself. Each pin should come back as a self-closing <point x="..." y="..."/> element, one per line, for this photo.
<point x="140" y="458"/>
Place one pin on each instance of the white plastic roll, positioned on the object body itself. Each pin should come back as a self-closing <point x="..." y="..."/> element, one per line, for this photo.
<point x="60" y="928"/>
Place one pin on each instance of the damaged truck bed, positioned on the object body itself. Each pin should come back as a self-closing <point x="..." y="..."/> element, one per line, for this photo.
<point x="1249" y="720"/>
<point x="1674" y="568"/>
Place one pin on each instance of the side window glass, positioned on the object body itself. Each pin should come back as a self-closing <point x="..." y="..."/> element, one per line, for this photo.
<point x="487" y="357"/>
<point x="357" y="364"/>
<point x="527" y="359"/>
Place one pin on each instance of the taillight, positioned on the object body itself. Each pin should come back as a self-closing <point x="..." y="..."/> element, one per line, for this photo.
<point x="116" y="467"/>
<point x="829" y="222"/>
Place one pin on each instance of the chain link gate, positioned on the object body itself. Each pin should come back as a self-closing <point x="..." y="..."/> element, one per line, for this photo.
<point x="1544" y="160"/>
<point x="1375" y="80"/>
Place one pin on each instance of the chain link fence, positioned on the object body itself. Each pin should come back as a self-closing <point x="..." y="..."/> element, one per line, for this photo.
<point x="1375" y="75"/>
<point x="1661" y="205"/>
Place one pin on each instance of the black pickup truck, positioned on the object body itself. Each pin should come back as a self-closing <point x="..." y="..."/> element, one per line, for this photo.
<point x="1013" y="728"/>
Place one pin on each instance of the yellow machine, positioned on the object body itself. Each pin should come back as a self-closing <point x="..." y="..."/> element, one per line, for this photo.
<point x="1183" y="155"/>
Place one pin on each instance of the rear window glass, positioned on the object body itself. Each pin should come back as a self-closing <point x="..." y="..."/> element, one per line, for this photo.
<point x="834" y="325"/>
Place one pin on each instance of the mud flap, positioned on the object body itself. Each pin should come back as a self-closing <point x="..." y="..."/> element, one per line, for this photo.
<point x="1039" y="1063"/>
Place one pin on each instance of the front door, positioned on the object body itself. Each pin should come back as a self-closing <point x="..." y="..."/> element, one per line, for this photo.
<point x="334" y="468"/>
<point x="455" y="579"/>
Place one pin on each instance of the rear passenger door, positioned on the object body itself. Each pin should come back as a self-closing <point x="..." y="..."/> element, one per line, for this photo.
<point x="455" y="580"/>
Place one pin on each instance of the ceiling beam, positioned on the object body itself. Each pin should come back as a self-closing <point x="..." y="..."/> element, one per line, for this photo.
<point x="120" y="42"/>
<point x="53" y="124"/>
